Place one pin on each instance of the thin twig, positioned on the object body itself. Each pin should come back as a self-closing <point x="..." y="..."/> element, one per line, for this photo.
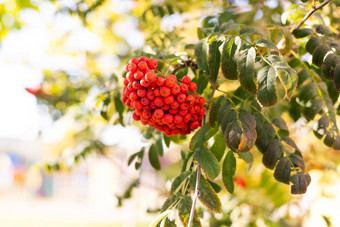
<point x="185" y="64"/>
<point x="197" y="193"/>
<point x="315" y="8"/>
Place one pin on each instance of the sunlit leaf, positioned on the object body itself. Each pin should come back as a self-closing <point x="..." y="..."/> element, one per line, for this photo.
<point x="247" y="72"/>
<point x="230" y="51"/>
<point x="267" y="88"/>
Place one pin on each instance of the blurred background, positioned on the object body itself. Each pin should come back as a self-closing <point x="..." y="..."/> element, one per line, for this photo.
<point x="63" y="160"/>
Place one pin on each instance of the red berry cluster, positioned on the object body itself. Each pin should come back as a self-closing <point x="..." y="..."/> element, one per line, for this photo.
<point x="163" y="103"/>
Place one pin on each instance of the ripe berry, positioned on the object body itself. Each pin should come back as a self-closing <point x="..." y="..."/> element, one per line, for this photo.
<point x="194" y="125"/>
<point x="143" y="58"/>
<point x="165" y="91"/>
<point x="184" y="88"/>
<point x="146" y="114"/>
<point x="183" y="112"/>
<point x="190" y="99"/>
<point x="150" y="94"/>
<point x="158" y="113"/>
<point x="173" y="111"/>
<point x="145" y="83"/>
<point x="167" y="118"/>
<point x="145" y="101"/>
<point x="137" y="105"/>
<point x="133" y="96"/>
<point x="168" y="100"/>
<point x="130" y="77"/>
<point x="186" y="80"/>
<point x="136" y="85"/>
<point x="201" y="101"/>
<point x="129" y="87"/>
<point x="132" y="67"/>
<point x="170" y="81"/>
<point x="160" y="81"/>
<point x="138" y="75"/>
<point x="178" y="118"/>
<point x="192" y="86"/>
<point x="135" y="60"/>
<point x="174" y="105"/>
<point x="187" y="118"/>
<point x="141" y="92"/>
<point x="152" y="63"/>
<point x="142" y="65"/>
<point x="202" y="111"/>
<point x="165" y="107"/>
<point x="184" y="106"/>
<point x="175" y="90"/>
<point x="126" y="82"/>
<point x="181" y="98"/>
<point x="150" y="77"/>
<point x="152" y="105"/>
<point x="135" y="116"/>
<point x="157" y="92"/>
<point x="159" y="101"/>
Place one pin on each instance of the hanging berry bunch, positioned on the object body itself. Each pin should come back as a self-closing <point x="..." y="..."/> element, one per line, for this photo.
<point x="162" y="102"/>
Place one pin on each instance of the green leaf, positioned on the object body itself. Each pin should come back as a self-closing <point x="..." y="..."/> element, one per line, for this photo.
<point x="159" y="218"/>
<point x="214" y="59"/>
<point x="302" y="32"/>
<point x="159" y="146"/>
<point x="184" y="208"/>
<point x="225" y="106"/>
<point x="207" y="161"/>
<point x="228" y="171"/>
<point x="312" y="44"/>
<point x="267" y="90"/>
<point x="311" y="110"/>
<point x="266" y="43"/>
<point x="247" y="157"/>
<point x="240" y="133"/>
<point x="272" y="154"/>
<point x="329" y="64"/>
<point x="308" y="92"/>
<point x="217" y="188"/>
<point x="247" y="72"/>
<point x="337" y="77"/>
<point x="214" y="110"/>
<point x="139" y="154"/>
<point x="208" y="196"/>
<point x="230" y="51"/>
<point x="297" y="161"/>
<point x="230" y="28"/>
<point x="119" y="106"/>
<point x="201" y="52"/>
<point x="319" y="54"/>
<point x="153" y="157"/>
<point x="219" y="146"/>
<point x="288" y="40"/>
<point x="178" y="181"/>
<point x="170" y="201"/>
<point x="202" y="81"/>
<point x="282" y="170"/>
<point x="280" y="123"/>
<point x="201" y="136"/>
<point x="250" y="31"/>
<point x="323" y="29"/>
<point x="167" y="140"/>
<point x="300" y="184"/>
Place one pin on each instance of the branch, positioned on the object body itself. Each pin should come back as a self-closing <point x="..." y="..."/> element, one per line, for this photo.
<point x="315" y="8"/>
<point x="185" y="64"/>
<point x="197" y="193"/>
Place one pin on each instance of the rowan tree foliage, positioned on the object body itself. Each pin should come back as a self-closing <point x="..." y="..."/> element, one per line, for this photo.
<point x="261" y="67"/>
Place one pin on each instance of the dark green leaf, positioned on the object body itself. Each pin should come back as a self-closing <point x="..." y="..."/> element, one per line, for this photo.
<point x="171" y="200"/>
<point x="337" y="77"/>
<point x="250" y="31"/>
<point x="228" y="171"/>
<point x="230" y="51"/>
<point x="329" y="64"/>
<point x="272" y="154"/>
<point x="319" y="54"/>
<point x="312" y="44"/>
<point x="266" y="135"/>
<point x="312" y="109"/>
<point x="119" y="106"/>
<point x="288" y="40"/>
<point x="219" y="146"/>
<point x="280" y="123"/>
<point x="184" y="208"/>
<point x="323" y="29"/>
<point x="201" y="52"/>
<point x="202" y="81"/>
<point x="217" y="188"/>
<point x="288" y="79"/>
<point x="308" y="92"/>
<point x="225" y="107"/>
<point x="290" y="142"/>
<point x="159" y="146"/>
<point x="247" y="72"/>
<point x="139" y="154"/>
<point x="240" y="133"/>
<point x="207" y="161"/>
<point x="267" y="90"/>
<point x="300" y="184"/>
<point x="247" y="157"/>
<point x="153" y="157"/>
<point x="297" y="161"/>
<point x="302" y="32"/>
<point x="178" y="180"/>
<point x="214" y="110"/>
<point x="214" y="59"/>
<point x="266" y="43"/>
<point x="282" y="170"/>
<point x="201" y="136"/>
<point x="167" y="140"/>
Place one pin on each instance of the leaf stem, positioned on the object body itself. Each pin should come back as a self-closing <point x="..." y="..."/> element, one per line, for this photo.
<point x="197" y="193"/>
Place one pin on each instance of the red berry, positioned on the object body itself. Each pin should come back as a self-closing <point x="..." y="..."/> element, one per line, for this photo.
<point x="137" y="105"/>
<point x="175" y="90"/>
<point x="186" y="80"/>
<point x="145" y="101"/>
<point x="136" y="85"/>
<point x="150" y="94"/>
<point x="160" y="81"/>
<point x="152" y="63"/>
<point x="133" y="96"/>
<point x="145" y="83"/>
<point x="159" y="101"/>
<point x="157" y="92"/>
<point x="165" y="107"/>
<point x="132" y="67"/>
<point x="168" y="100"/>
<point x="130" y="77"/>
<point x="143" y="58"/>
<point x="170" y="81"/>
<point x="202" y="111"/>
<point x="150" y="77"/>
<point x="146" y="114"/>
<point x="135" y="60"/>
<point x="152" y="105"/>
<point x="201" y="101"/>
<point x="196" y="98"/>
<point x="192" y="86"/>
<point x="194" y="125"/>
<point x="178" y="118"/>
<point x="141" y="92"/>
<point x="183" y="112"/>
<point x="129" y="87"/>
<point x="142" y="65"/>
<point x="165" y="91"/>
<point x="190" y="99"/>
<point x="173" y="111"/>
<point x="184" y="106"/>
<point x="184" y="88"/>
<point x="139" y="112"/>
<point x="167" y="118"/>
<point x="181" y="98"/>
<point x="158" y="113"/>
<point x="187" y="118"/>
<point x="135" y="116"/>
<point x="138" y="75"/>
<point x="174" y="105"/>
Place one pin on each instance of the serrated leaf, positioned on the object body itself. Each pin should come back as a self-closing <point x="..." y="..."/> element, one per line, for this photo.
<point x="178" y="181"/>
<point x="184" y="208"/>
<point x="319" y="54"/>
<point x="240" y="133"/>
<point x="329" y="64"/>
<point x="230" y="51"/>
<point x="249" y="30"/>
<point x="207" y="161"/>
<point x="153" y="157"/>
<point x="312" y="44"/>
<point x="300" y="184"/>
<point x="302" y="32"/>
<point x="282" y="170"/>
<point x="323" y="29"/>
<point x="209" y="197"/>
<point x="228" y="27"/>
<point x="201" y="52"/>
<point x="217" y="188"/>
<point x="214" y="59"/>
<point x="266" y="135"/>
<point x="202" y="135"/>
<point x="266" y="86"/>
<point x="272" y="154"/>
<point x="288" y="40"/>
<point x="247" y="157"/>
<point x="288" y="79"/>
<point x="219" y="146"/>
<point x="247" y="74"/>
<point x="266" y="43"/>
<point x="280" y="123"/>
<point x="228" y="171"/>
<point x="214" y="110"/>
<point x="337" y="77"/>
<point x="171" y="200"/>
<point x="297" y="161"/>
